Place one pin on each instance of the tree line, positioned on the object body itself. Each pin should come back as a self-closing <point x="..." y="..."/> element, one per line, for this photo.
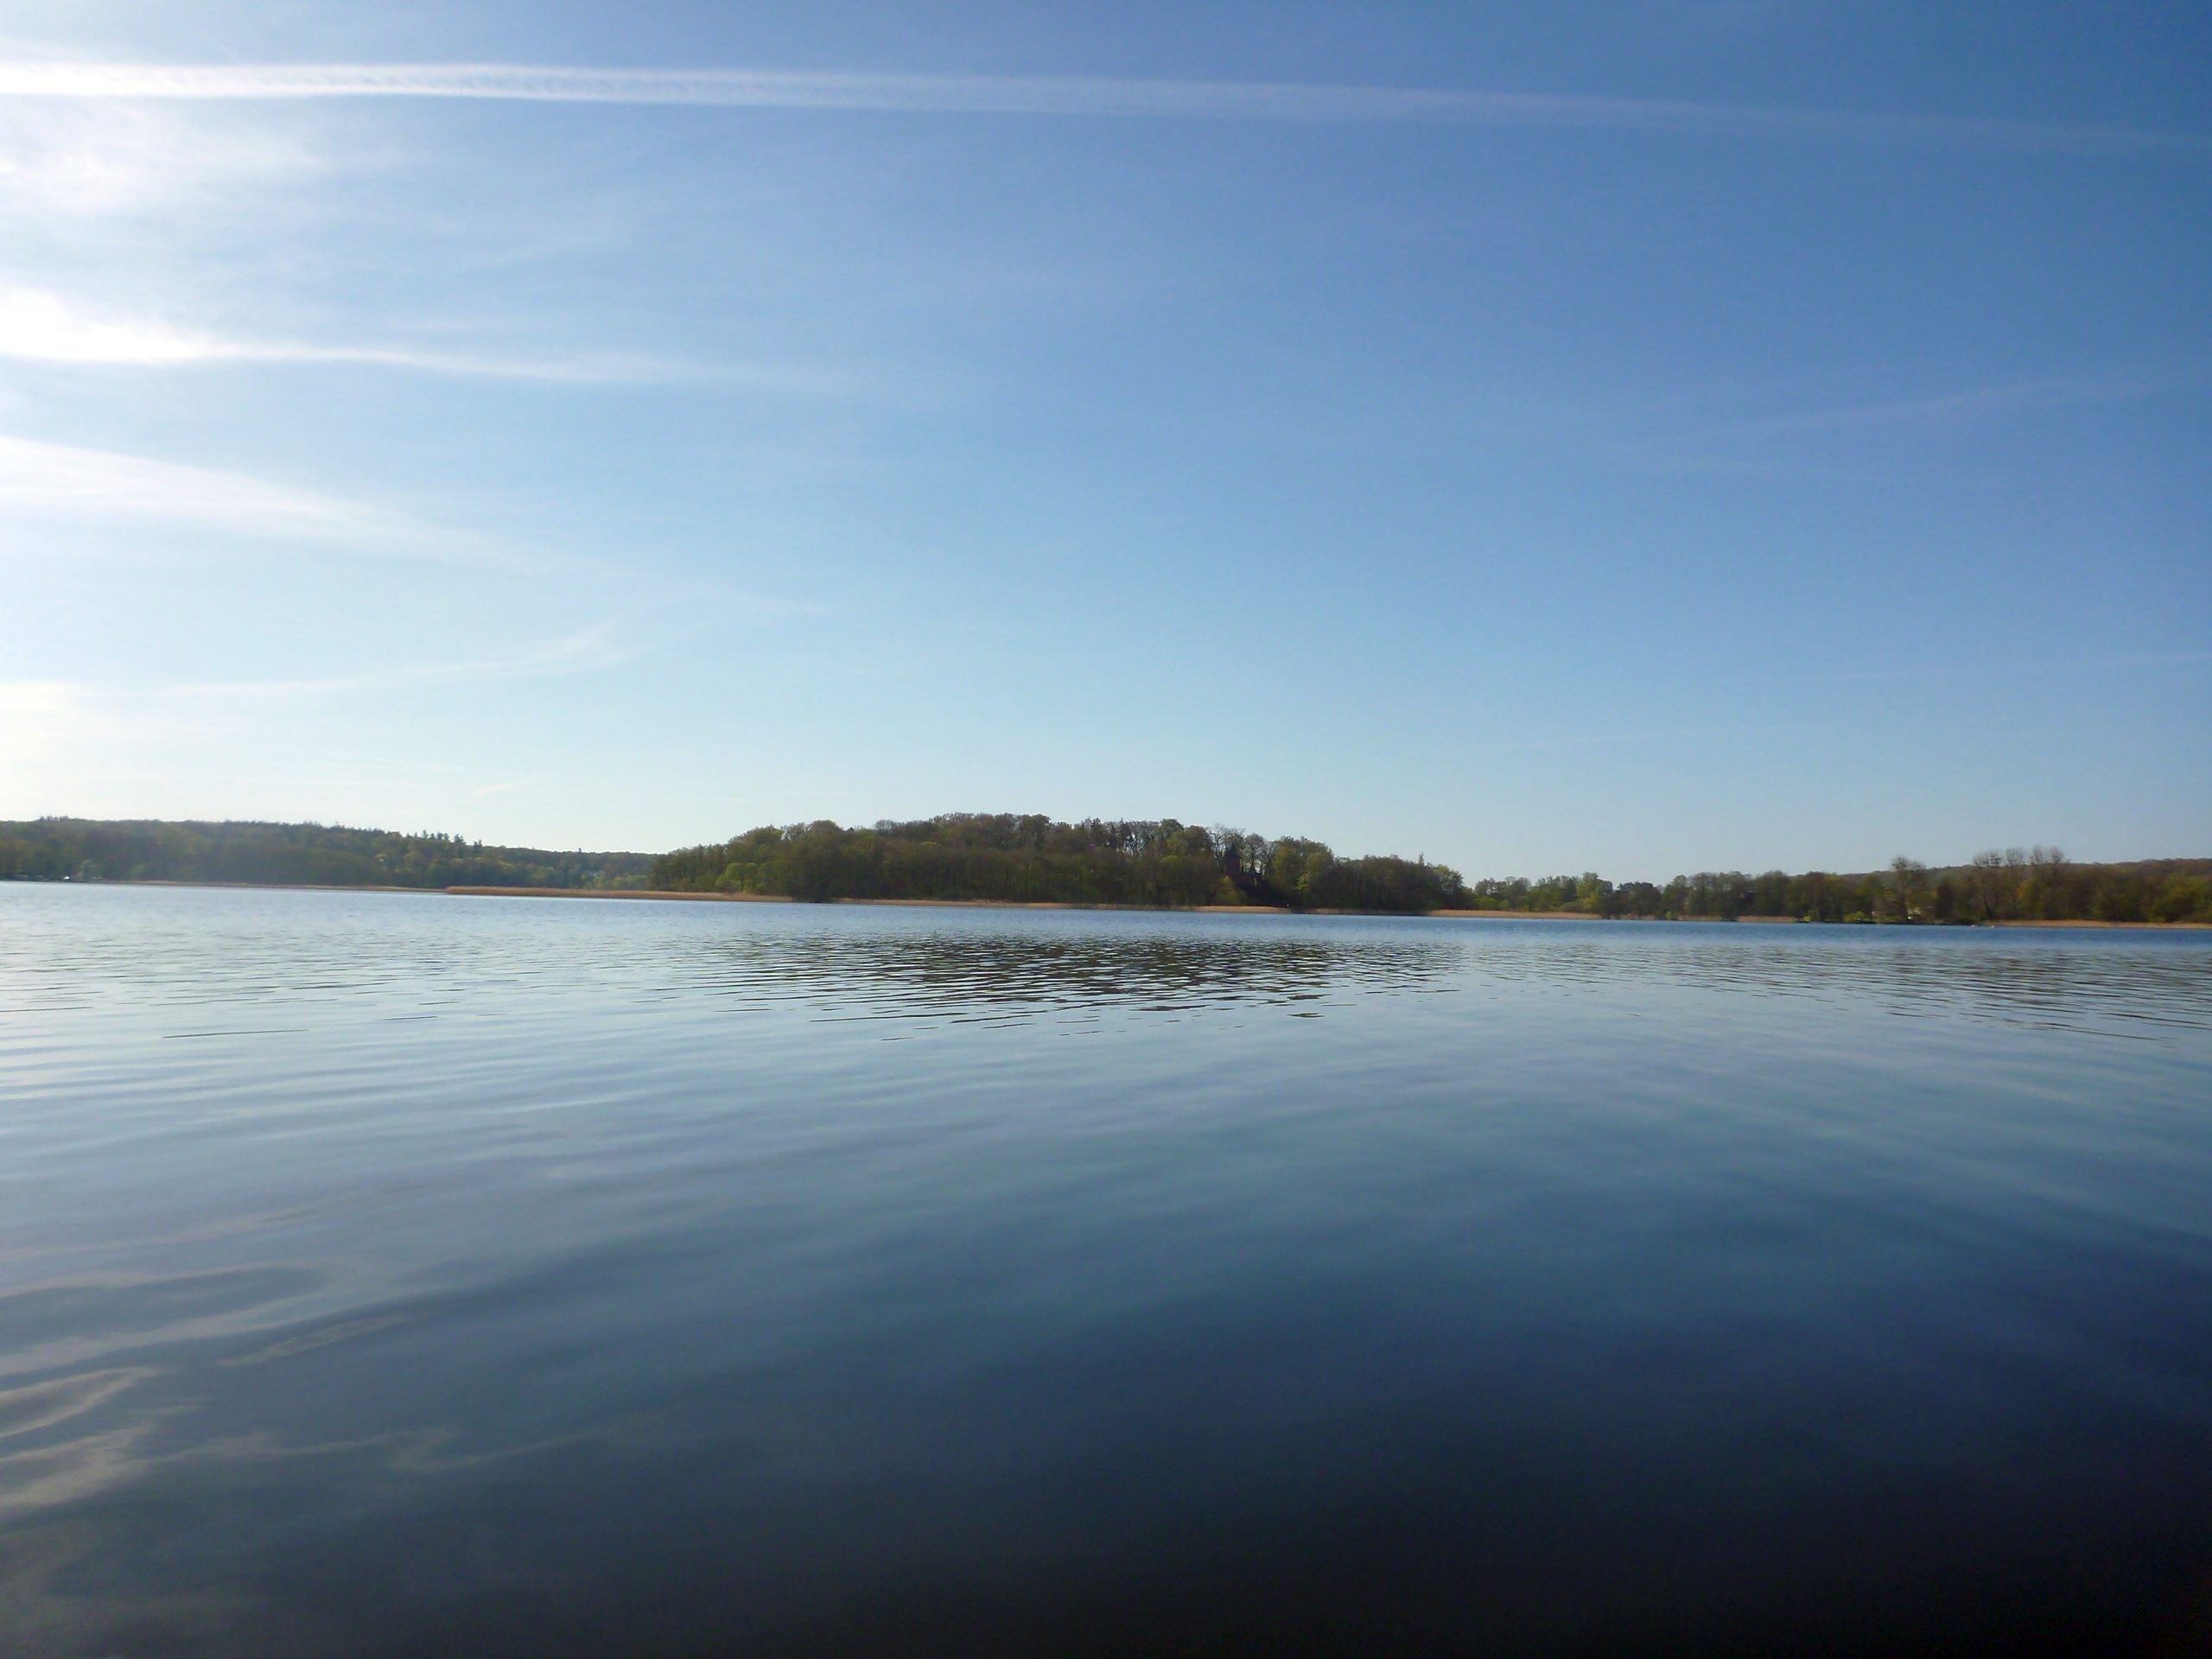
<point x="1031" y="859"/>
<point x="1164" y="862"/>
<point x="2037" y="884"/>
<point x="306" y="854"/>
<point x="1028" y="858"/>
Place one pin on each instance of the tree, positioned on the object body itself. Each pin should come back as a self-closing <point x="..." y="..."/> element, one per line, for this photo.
<point x="1992" y="885"/>
<point x="1909" y="885"/>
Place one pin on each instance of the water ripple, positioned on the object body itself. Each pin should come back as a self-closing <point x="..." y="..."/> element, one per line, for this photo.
<point x="420" y="958"/>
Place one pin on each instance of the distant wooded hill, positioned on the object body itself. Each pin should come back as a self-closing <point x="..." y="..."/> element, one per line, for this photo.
<point x="2038" y="884"/>
<point x="311" y="854"/>
<point x="1156" y="862"/>
<point x="1032" y="859"/>
<point x="1001" y="856"/>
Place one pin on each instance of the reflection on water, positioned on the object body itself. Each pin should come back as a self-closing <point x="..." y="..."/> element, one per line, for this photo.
<point x="998" y="965"/>
<point x="2117" y="987"/>
<point x="847" y="964"/>
<point x="385" y="1274"/>
<point x="979" y="974"/>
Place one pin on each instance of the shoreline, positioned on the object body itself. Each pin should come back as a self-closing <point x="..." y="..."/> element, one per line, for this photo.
<point x="2154" y="927"/>
<point x="669" y="894"/>
<point x="1533" y="916"/>
<point x="665" y="895"/>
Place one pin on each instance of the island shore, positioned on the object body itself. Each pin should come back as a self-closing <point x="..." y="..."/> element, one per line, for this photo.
<point x="667" y="894"/>
<point x="893" y="903"/>
<point x="2150" y="927"/>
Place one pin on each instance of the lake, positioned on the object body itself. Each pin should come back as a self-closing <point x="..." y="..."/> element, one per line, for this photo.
<point x="387" y="1274"/>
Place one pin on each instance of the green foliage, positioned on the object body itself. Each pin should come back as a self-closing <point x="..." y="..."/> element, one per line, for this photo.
<point x="2037" y="885"/>
<point x="1030" y="859"/>
<point x="302" y="855"/>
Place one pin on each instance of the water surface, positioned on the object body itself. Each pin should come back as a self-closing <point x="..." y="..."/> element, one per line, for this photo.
<point x="390" y="1273"/>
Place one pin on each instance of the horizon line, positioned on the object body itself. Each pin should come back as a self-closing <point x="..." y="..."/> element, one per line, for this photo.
<point x="567" y="646"/>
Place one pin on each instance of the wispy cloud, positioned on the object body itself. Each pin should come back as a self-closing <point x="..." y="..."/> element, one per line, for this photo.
<point x="65" y="485"/>
<point x="64" y="482"/>
<point x="1868" y="436"/>
<point x="37" y="325"/>
<point x="1970" y="407"/>
<point x="2030" y="668"/>
<point x="49" y="727"/>
<point x="1069" y="96"/>
<point x="79" y="160"/>
<point x="43" y="724"/>
<point x="580" y="653"/>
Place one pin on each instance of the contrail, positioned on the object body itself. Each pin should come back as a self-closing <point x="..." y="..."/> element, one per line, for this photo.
<point x="1071" y="96"/>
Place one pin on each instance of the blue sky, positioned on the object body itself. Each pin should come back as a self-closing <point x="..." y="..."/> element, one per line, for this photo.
<point x="1638" y="437"/>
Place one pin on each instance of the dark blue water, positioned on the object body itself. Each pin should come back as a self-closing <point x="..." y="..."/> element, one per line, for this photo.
<point x="389" y="1274"/>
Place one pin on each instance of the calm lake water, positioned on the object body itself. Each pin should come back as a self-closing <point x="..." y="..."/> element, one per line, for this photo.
<point x="390" y="1273"/>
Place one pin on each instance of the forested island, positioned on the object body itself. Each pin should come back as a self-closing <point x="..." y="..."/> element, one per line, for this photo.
<point x="1156" y="863"/>
<point x="1164" y="863"/>
<point x="1150" y="863"/>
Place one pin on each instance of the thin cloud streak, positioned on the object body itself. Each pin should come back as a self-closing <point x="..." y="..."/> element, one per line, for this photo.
<point x="1644" y="738"/>
<point x="90" y="161"/>
<point x="580" y="653"/>
<point x="1807" y="444"/>
<point x="37" y="326"/>
<point x="1948" y="410"/>
<point x="55" y="480"/>
<point x="48" y="727"/>
<point x="2033" y="668"/>
<point x="1070" y="96"/>
<point x="56" y="483"/>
